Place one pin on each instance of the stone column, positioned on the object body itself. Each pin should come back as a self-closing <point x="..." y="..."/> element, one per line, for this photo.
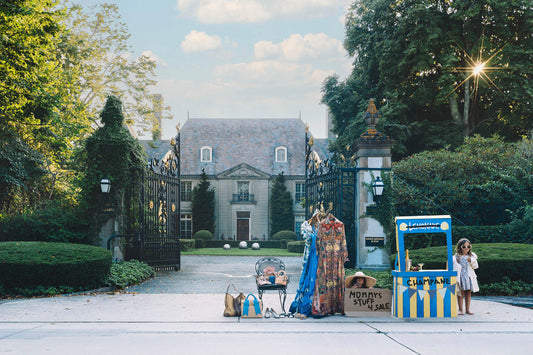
<point x="373" y="156"/>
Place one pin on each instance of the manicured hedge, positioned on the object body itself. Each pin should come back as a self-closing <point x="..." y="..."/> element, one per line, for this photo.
<point x="476" y="235"/>
<point x="491" y="234"/>
<point x="52" y="224"/>
<point x="285" y="235"/>
<point x="32" y="264"/>
<point x="187" y="244"/>
<point x="296" y="247"/>
<point x="235" y="243"/>
<point x="496" y="260"/>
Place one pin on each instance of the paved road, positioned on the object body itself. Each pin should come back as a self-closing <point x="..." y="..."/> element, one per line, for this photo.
<point x="181" y="313"/>
<point x="212" y="274"/>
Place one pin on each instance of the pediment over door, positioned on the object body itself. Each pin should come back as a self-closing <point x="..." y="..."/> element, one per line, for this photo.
<point x="243" y="171"/>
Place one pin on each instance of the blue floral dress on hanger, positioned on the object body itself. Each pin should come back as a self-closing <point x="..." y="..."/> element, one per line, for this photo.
<point x="304" y="295"/>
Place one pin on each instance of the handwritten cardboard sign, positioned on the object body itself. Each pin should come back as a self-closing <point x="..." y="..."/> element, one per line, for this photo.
<point x="367" y="302"/>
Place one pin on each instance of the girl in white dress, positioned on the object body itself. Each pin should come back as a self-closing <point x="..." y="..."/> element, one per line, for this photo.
<point x="464" y="262"/>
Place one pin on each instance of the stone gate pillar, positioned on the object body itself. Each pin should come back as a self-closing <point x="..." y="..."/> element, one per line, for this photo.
<point x="373" y="156"/>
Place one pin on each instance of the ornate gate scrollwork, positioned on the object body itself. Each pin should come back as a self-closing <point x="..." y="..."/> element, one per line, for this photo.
<point x="158" y="220"/>
<point x="331" y="186"/>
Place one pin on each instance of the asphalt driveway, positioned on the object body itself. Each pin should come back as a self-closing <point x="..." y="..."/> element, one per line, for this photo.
<point x="212" y="274"/>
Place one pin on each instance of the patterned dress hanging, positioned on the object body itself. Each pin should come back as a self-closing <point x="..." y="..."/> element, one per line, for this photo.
<point x="328" y="297"/>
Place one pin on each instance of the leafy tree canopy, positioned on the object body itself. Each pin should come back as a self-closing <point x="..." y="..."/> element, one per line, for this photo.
<point x="475" y="183"/>
<point x="57" y="66"/>
<point x="96" y="42"/>
<point x="417" y="59"/>
<point x="35" y="138"/>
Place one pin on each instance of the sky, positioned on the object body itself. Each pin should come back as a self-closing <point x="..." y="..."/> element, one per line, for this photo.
<point x="239" y="58"/>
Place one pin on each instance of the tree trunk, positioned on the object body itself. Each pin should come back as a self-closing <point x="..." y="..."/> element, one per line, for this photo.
<point x="466" y="120"/>
<point x="462" y="120"/>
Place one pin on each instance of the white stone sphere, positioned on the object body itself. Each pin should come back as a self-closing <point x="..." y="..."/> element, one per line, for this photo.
<point x="227" y="247"/>
<point x="255" y="246"/>
<point x="243" y="245"/>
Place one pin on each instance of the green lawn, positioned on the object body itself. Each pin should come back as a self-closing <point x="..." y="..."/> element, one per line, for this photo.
<point x="240" y="252"/>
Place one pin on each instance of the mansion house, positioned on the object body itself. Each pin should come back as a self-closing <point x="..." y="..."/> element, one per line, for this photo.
<point x="241" y="157"/>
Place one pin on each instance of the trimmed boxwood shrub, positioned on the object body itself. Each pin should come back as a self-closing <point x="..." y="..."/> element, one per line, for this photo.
<point x="187" y="244"/>
<point x="51" y="224"/>
<point x="199" y="243"/>
<point x="476" y="235"/>
<point x="27" y="265"/>
<point x="203" y="234"/>
<point x="285" y="235"/>
<point x="276" y="244"/>
<point x="296" y="247"/>
<point x="496" y="261"/>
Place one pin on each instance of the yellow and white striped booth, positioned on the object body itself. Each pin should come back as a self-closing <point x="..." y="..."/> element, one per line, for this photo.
<point x="427" y="293"/>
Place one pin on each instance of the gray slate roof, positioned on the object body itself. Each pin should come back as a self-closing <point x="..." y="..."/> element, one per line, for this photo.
<point x="155" y="149"/>
<point x="237" y="141"/>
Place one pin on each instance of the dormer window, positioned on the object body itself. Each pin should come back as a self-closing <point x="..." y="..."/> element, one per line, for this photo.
<point x="281" y="155"/>
<point x="206" y="154"/>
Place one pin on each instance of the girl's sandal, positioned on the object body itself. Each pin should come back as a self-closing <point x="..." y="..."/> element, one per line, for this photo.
<point x="460" y="313"/>
<point x="470" y="313"/>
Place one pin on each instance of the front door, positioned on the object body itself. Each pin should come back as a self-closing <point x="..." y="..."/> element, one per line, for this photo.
<point x="243" y="225"/>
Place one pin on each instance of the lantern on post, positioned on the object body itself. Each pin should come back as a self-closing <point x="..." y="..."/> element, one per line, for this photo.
<point x="377" y="188"/>
<point x="105" y="185"/>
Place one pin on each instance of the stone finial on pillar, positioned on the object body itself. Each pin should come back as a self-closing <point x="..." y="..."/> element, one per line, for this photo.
<point x="372" y="142"/>
<point x="372" y="115"/>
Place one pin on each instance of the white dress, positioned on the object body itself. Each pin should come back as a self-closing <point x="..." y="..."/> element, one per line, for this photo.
<point x="466" y="276"/>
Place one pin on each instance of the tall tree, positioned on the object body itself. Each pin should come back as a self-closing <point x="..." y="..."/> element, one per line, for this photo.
<point x="439" y="70"/>
<point x="57" y="66"/>
<point x="35" y="137"/>
<point x="203" y="205"/>
<point x="96" y="41"/>
<point x="281" y="213"/>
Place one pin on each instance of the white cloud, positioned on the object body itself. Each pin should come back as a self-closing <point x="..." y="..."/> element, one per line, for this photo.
<point x="154" y="58"/>
<point x="258" y="73"/>
<point x="300" y="48"/>
<point x="256" y="11"/>
<point x="199" y="42"/>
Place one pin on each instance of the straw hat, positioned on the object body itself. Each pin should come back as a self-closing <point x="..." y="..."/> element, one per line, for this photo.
<point x="369" y="282"/>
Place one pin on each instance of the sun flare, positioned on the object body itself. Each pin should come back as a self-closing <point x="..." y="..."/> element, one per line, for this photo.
<point x="478" y="69"/>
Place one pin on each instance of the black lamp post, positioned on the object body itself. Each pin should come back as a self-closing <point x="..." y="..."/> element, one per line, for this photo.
<point x="105" y="185"/>
<point x="377" y="188"/>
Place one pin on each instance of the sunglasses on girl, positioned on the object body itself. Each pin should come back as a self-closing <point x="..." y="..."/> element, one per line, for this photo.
<point x="465" y="246"/>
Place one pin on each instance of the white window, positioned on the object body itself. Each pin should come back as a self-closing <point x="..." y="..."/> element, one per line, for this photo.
<point x="206" y="155"/>
<point x="243" y="191"/>
<point x="298" y="220"/>
<point x="243" y="187"/>
<point x="299" y="192"/>
<point x="186" y="226"/>
<point x="281" y="155"/>
<point x="186" y="190"/>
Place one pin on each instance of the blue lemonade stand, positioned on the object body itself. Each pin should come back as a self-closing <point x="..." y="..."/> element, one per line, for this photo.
<point x="427" y="293"/>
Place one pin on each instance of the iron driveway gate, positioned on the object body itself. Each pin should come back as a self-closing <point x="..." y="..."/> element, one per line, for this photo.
<point x="334" y="188"/>
<point x="156" y="219"/>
